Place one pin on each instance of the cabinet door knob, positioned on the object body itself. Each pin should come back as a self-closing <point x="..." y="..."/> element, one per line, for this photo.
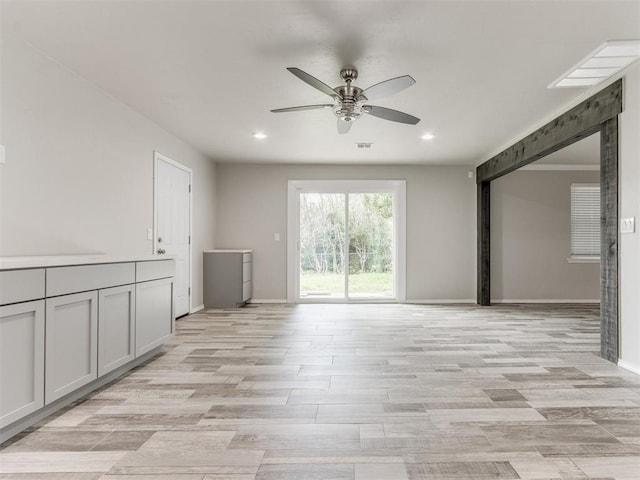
<point x="161" y="251"/>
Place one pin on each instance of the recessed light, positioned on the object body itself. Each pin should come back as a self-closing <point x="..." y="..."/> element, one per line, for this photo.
<point x="605" y="61"/>
<point x="259" y="135"/>
<point x="428" y="136"/>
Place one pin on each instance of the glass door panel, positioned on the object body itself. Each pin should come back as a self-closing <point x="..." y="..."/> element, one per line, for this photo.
<point x="322" y="246"/>
<point x="370" y="245"/>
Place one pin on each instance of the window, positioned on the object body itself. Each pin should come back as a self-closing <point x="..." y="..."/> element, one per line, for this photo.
<point x="585" y="222"/>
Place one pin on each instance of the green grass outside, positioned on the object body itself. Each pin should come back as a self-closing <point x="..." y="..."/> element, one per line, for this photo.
<point x="359" y="283"/>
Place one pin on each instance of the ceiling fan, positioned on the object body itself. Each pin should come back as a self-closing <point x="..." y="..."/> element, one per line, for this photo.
<point x="349" y="101"/>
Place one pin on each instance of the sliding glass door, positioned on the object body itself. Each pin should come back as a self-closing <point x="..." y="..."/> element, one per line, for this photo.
<point x="322" y="245"/>
<point x="346" y="241"/>
<point x="370" y="273"/>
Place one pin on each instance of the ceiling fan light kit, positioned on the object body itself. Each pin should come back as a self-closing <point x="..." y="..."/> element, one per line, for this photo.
<point x="349" y="101"/>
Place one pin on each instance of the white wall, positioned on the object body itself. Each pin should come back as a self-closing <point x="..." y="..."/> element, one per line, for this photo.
<point x="530" y="239"/>
<point x="630" y="207"/>
<point x="79" y="171"/>
<point x="441" y="239"/>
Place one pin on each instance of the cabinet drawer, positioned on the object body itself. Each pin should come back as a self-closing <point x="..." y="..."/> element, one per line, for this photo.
<point x="246" y="291"/>
<point x="246" y="272"/>
<point x="21" y="285"/>
<point x="154" y="270"/>
<point x="82" y="278"/>
<point x="246" y="257"/>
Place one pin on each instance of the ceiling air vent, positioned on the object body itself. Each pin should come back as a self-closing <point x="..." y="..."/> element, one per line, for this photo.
<point x="364" y="145"/>
<point x="605" y="61"/>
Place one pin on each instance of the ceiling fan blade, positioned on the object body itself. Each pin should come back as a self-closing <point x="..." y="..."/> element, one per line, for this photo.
<point x="390" y="114"/>
<point x="388" y="87"/>
<point x="313" y="81"/>
<point x="303" y="107"/>
<point x="344" y="127"/>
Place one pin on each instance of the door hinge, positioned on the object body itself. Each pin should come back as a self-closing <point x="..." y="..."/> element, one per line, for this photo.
<point x="189" y="188"/>
<point x="189" y="239"/>
<point x="189" y="291"/>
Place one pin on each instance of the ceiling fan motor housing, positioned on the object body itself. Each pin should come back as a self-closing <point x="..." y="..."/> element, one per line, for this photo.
<point x="350" y="107"/>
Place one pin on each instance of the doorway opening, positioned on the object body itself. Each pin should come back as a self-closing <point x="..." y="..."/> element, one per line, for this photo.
<point x="346" y="241"/>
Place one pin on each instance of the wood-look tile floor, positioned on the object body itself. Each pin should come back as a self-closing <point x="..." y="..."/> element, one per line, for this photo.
<point x="364" y="392"/>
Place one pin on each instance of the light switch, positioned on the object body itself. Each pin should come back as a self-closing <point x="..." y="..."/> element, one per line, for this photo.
<point x="628" y="225"/>
<point x="276" y="237"/>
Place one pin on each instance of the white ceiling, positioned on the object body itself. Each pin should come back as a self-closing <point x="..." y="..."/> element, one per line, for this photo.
<point x="210" y="71"/>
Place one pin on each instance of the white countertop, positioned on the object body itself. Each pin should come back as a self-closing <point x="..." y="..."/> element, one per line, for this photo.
<point x="15" y="263"/>
<point x="227" y="251"/>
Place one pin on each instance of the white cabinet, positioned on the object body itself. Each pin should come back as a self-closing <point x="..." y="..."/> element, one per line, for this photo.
<point x="71" y="343"/>
<point x="227" y="278"/>
<point x="21" y="360"/>
<point x="154" y="314"/>
<point x="116" y="327"/>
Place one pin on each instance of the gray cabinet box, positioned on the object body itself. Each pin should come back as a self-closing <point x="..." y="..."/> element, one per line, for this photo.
<point x="71" y="343"/>
<point x="21" y="286"/>
<point x="21" y="360"/>
<point x="227" y="278"/>
<point x="116" y="327"/>
<point x="154" y="314"/>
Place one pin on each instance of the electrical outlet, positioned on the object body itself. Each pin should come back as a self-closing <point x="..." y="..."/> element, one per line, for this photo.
<point x="628" y="225"/>
<point x="276" y="237"/>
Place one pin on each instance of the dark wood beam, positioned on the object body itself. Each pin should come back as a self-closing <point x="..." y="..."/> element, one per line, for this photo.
<point x="484" y="244"/>
<point x="597" y="113"/>
<point x="581" y="121"/>
<point x="609" y="240"/>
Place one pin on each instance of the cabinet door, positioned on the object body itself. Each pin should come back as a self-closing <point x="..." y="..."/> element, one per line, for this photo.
<point x="116" y="327"/>
<point x="71" y="342"/>
<point x="21" y="360"/>
<point x="154" y="314"/>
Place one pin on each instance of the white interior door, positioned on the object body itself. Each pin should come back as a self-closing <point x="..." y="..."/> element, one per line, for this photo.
<point x="173" y="224"/>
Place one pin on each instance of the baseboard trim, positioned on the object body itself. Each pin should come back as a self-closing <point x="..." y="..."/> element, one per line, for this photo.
<point x="268" y="300"/>
<point x="437" y="301"/>
<point x="197" y="309"/>
<point x="627" y="366"/>
<point x="420" y="301"/>
<point x="545" y="300"/>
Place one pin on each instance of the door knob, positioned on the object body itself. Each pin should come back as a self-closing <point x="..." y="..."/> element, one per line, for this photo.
<point x="161" y="251"/>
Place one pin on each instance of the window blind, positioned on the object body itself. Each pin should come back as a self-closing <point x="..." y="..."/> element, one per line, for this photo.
<point x="585" y="220"/>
